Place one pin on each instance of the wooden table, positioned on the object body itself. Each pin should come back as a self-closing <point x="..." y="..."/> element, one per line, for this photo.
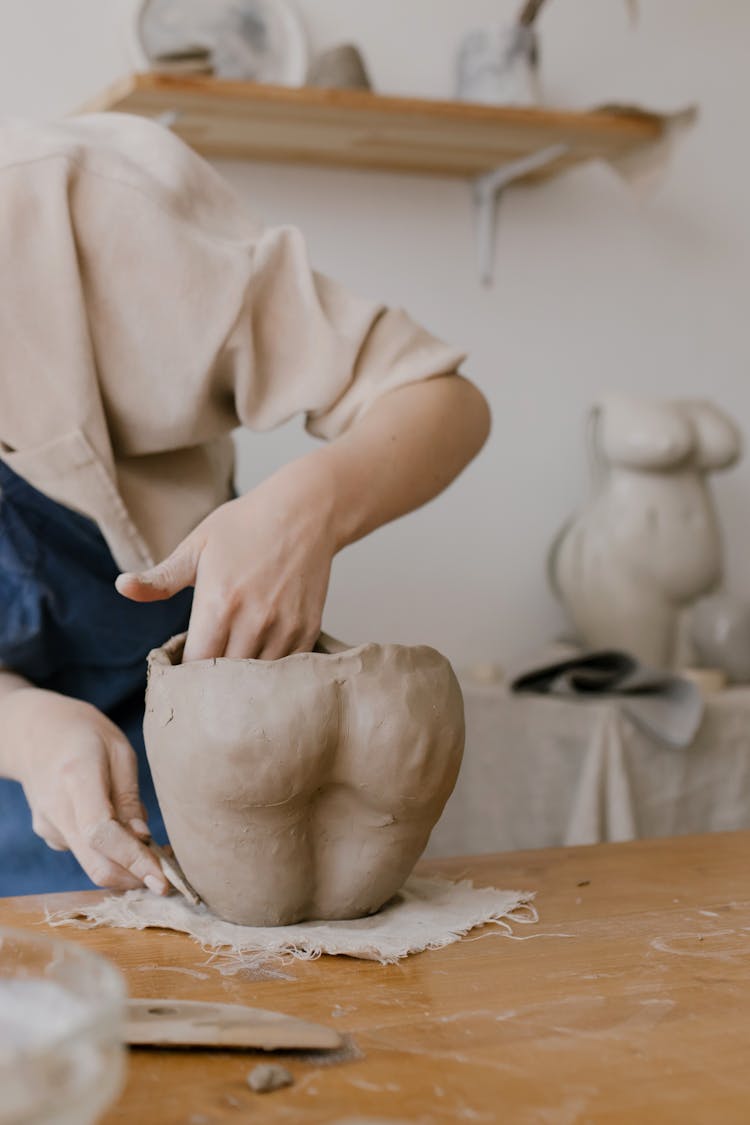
<point x="630" y="1005"/>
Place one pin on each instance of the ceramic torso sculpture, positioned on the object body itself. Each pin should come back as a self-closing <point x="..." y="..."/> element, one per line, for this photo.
<point x="647" y="544"/>
<point x="306" y="787"/>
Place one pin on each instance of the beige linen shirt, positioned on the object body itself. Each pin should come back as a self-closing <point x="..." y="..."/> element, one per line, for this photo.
<point x="144" y="316"/>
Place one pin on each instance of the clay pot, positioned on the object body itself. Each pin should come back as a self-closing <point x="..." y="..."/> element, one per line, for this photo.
<point x="306" y="787"/>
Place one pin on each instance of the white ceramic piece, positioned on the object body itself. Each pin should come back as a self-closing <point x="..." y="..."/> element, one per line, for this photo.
<point x="647" y="544"/>
<point x="256" y="40"/>
<point x="496" y="66"/>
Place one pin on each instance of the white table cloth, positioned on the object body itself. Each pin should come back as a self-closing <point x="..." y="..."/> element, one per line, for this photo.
<point x="541" y="771"/>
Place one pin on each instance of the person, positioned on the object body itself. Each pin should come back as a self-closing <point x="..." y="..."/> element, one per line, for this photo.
<point x="143" y="317"/>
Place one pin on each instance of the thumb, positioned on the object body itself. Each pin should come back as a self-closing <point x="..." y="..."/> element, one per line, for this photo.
<point x="176" y="572"/>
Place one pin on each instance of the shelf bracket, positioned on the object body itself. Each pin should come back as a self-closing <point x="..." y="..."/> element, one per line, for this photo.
<point x="488" y="189"/>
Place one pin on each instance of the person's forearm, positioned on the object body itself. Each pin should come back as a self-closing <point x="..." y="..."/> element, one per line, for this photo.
<point x="405" y="450"/>
<point x="9" y="684"/>
<point x="261" y="564"/>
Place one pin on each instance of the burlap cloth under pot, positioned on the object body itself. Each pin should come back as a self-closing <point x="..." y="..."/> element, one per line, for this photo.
<point x="427" y="913"/>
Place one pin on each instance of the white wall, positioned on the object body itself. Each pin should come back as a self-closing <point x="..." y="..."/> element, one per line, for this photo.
<point x="595" y="289"/>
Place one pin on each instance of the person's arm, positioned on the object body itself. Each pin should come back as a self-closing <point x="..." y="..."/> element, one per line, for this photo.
<point x="9" y="682"/>
<point x="408" y="447"/>
<point x="261" y="564"/>
<point x="80" y="777"/>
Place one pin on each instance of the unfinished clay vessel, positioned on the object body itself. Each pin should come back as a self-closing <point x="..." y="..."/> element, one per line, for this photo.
<point x="306" y="787"/>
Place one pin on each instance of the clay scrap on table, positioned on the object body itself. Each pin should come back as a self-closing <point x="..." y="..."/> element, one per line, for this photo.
<point x="267" y="1077"/>
<point x="302" y="788"/>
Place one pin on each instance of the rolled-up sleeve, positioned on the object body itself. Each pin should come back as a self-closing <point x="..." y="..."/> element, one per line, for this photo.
<point x="200" y="319"/>
<point x="146" y="316"/>
<point x="304" y="344"/>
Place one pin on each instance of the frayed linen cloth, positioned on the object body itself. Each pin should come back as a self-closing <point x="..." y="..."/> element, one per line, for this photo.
<point x="428" y="913"/>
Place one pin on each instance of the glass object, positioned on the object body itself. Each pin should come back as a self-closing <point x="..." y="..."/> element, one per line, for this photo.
<point x="497" y="66"/>
<point x="62" y="1012"/>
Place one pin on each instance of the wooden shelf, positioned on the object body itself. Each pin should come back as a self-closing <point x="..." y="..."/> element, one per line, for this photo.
<point x="356" y="129"/>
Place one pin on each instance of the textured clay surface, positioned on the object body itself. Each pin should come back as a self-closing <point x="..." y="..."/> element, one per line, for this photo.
<point x="303" y="788"/>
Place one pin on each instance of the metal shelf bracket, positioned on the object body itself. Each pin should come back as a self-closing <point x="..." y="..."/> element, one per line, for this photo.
<point x="488" y="189"/>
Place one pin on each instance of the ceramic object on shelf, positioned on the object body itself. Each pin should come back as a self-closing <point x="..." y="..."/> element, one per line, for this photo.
<point x="498" y="66"/>
<point x="340" y="68"/>
<point x="250" y="40"/>
<point x="720" y="633"/>
<point x="647" y="544"/>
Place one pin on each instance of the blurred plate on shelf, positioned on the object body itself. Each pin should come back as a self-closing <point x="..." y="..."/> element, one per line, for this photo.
<point x="254" y="40"/>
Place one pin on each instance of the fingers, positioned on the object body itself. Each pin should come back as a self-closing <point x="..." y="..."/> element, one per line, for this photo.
<point x="268" y="632"/>
<point x="82" y="789"/>
<point x="123" y="768"/>
<point x="208" y="630"/>
<point x="210" y="637"/>
<point x="98" y="840"/>
<point x="102" y="871"/>
<point x="252" y="634"/>
<point x="140" y="827"/>
<point x="175" y="573"/>
<point x="114" y="851"/>
<point x="277" y="645"/>
<point x="272" y="642"/>
<point x="246" y="640"/>
<point x="283" y="642"/>
<point x="47" y="832"/>
<point x="277" y="648"/>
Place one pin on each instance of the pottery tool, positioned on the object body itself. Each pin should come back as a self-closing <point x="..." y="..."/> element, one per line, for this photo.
<point x="191" y="1023"/>
<point x="173" y="873"/>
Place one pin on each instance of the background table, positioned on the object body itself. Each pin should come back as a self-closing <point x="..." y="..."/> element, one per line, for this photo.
<point x="629" y="1004"/>
<point x="541" y="772"/>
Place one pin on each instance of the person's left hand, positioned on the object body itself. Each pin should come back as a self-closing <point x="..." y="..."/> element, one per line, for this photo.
<point x="260" y="566"/>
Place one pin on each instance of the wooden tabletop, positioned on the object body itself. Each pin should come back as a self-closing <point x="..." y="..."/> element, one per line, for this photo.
<point x="630" y="1004"/>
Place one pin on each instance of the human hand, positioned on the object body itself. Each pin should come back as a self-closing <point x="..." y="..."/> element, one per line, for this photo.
<point x="79" y="774"/>
<point x="260" y="566"/>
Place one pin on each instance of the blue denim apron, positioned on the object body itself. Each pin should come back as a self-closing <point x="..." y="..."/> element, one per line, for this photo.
<point x="64" y="627"/>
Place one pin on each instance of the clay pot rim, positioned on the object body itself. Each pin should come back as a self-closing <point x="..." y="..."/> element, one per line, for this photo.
<point x="163" y="656"/>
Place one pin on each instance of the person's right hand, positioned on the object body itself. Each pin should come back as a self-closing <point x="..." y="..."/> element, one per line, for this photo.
<point x="80" y="777"/>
